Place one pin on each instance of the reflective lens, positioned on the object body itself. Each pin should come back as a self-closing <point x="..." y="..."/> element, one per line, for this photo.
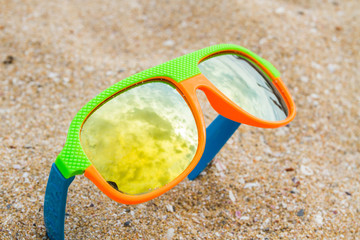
<point x="141" y="139"/>
<point x="245" y="85"/>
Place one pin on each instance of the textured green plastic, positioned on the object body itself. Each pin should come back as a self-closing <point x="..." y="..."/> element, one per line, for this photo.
<point x="72" y="159"/>
<point x="270" y="67"/>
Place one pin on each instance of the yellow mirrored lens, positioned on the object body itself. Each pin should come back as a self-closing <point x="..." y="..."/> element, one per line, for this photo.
<point x="141" y="139"/>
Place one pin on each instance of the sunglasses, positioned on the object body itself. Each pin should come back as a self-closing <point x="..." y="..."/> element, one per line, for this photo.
<point x="143" y="135"/>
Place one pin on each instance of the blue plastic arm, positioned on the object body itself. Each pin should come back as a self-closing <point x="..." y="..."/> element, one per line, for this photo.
<point x="217" y="134"/>
<point x="55" y="203"/>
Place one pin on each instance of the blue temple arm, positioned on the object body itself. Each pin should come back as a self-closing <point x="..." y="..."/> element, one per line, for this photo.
<point x="217" y="134"/>
<point x="55" y="203"/>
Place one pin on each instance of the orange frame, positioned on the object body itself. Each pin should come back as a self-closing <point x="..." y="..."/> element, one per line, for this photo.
<point x="223" y="105"/>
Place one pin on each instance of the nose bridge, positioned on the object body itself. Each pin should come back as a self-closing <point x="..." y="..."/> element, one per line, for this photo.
<point x="213" y="95"/>
<point x="188" y="88"/>
<point x="192" y="84"/>
<point x="220" y="103"/>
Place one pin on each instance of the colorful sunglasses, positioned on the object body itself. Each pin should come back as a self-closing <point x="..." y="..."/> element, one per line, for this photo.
<point x="143" y="135"/>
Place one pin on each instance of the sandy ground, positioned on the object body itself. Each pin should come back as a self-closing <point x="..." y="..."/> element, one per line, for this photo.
<point x="295" y="182"/>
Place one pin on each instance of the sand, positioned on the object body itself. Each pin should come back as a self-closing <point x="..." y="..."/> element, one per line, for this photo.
<point x="295" y="182"/>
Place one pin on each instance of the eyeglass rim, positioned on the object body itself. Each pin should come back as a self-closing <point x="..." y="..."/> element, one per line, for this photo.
<point x="72" y="159"/>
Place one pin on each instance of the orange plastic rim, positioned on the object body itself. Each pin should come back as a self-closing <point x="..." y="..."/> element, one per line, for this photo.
<point x="223" y="105"/>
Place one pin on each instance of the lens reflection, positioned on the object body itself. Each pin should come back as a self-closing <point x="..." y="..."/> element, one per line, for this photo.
<point x="242" y="83"/>
<point x="141" y="139"/>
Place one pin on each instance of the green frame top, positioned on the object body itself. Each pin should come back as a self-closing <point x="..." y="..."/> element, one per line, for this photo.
<point x="72" y="159"/>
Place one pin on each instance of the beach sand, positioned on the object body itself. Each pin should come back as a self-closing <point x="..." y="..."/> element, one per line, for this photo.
<point x="296" y="182"/>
